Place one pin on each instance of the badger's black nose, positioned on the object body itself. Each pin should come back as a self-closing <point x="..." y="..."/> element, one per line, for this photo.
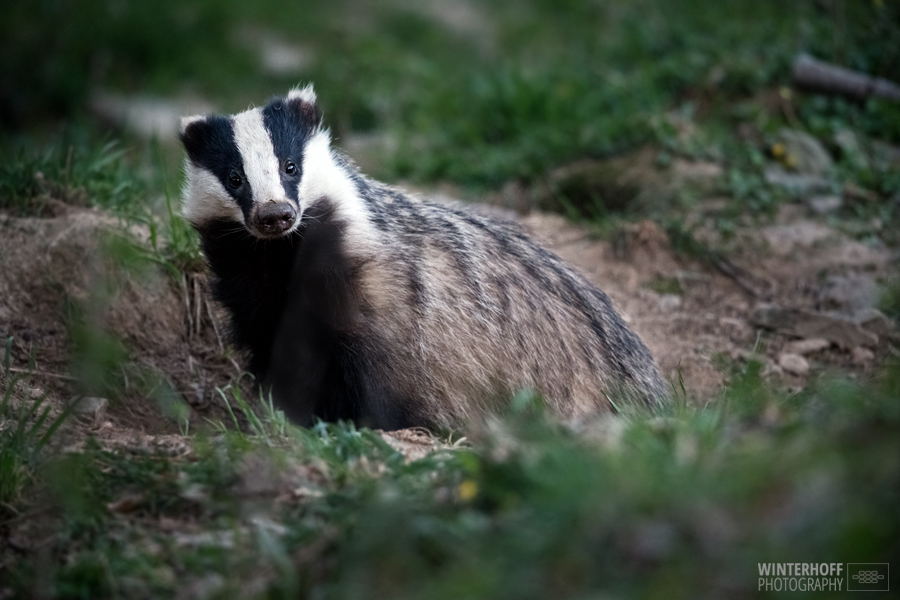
<point x="274" y="218"/>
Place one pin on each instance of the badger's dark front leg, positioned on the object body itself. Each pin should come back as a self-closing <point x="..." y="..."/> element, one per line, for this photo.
<point x="323" y="361"/>
<point x="305" y="373"/>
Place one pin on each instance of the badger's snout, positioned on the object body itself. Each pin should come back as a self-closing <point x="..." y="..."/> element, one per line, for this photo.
<point x="274" y="218"/>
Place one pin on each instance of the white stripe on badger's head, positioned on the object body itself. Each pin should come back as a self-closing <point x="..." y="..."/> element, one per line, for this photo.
<point x="323" y="178"/>
<point x="212" y="158"/>
<point x="326" y="179"/>
<point x="206" y="200"/>
<point x="261" y="166"/>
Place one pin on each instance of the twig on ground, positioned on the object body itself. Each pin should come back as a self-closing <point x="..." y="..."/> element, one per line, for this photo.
<point x="212" y="319"/>
<point x="42" y="373"/>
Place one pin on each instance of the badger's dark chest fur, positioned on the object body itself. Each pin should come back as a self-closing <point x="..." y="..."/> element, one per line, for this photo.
<point x="297" y="299"/>
<point x="251" y="278"/>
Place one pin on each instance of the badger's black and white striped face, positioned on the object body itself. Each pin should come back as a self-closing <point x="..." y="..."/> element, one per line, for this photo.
<point x="248" y="168"/>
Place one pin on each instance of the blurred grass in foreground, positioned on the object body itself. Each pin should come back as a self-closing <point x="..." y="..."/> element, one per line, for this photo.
<point x="674" y="506"/>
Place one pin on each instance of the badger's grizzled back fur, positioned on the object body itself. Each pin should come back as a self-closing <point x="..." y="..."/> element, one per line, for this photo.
<point x="356" y="301"/>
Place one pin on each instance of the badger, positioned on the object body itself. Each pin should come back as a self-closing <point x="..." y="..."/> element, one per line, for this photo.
<point x="355" y="301"/>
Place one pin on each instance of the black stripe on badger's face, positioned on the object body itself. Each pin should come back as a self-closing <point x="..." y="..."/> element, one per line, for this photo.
<point x="290" y="123"/>
<point x="210" y="144"/>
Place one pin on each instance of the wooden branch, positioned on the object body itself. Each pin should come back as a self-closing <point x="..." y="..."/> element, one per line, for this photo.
<point x="827" y="78"/>
<point x="39" y="373"/>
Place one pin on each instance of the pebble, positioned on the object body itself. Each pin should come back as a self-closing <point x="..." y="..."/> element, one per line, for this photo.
<point x="804" y="347"/>
<point x="805" y="153"/>
<point x="852" y="292"/>
<point x="90" y="408"/>
<point x="861" y="356"/>
<point x="794" y="364"/>
<point x="796" y="183"/>
<point x="669" y="302"/>
<point x="823" y="205"/>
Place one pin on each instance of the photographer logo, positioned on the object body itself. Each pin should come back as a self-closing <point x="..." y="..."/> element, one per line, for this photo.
<point x="868" y="577"/>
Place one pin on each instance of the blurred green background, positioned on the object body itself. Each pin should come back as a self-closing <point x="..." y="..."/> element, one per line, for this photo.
<point x="477" y="93"/>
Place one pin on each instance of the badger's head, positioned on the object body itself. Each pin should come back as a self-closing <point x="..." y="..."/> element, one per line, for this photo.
<point x="248" y="168"/>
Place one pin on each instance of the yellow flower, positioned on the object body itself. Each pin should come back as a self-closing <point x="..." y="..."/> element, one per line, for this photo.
<point x="468" y="489"/>
<point x="778" y="150"/>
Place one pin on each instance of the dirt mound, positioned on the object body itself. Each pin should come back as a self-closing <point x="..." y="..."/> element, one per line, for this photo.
<point x="695" y="317"/>
<point x="66" y="278"/>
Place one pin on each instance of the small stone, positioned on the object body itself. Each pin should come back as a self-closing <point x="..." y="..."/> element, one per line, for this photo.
<point x="851" y="292"/>
<point x="788" y="238"/>
<point x="772" y="370"/>
<point x="794" y="364"/>
<point x="733" y="326"/>
<point x="804" y="153"/>
<point x="800" y="184"/>
<point x="823" y="205"/>
<point x="90" y="408"/>
<point x="804" y="347"/>
<point x="861" y="356"/>
<point x="669" y="302"/>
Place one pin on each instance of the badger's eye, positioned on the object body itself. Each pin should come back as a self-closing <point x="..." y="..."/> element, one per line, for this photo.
<point x="235" y="180"/>
<point x="290" y="168"/>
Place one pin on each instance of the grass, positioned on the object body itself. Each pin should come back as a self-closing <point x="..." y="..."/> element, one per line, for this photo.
<point x="508" y="93"/>
<point x="645" y="506"/>
<point x="75" y="168"/>
<point x="476" y="96"/>
<point x="666" y="285"/>
<point x="26" y="427"/>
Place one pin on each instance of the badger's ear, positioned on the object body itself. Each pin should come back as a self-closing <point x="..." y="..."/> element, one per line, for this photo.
<point x="187" y="121"/>
<point x="306" y="94"/>
<point x="195" y="135"/>
<point x="303" y="102"/>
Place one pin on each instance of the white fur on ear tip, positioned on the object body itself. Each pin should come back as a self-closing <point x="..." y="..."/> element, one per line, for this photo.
<point x="305" y="94"/>
<point x="186" y="121"/>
